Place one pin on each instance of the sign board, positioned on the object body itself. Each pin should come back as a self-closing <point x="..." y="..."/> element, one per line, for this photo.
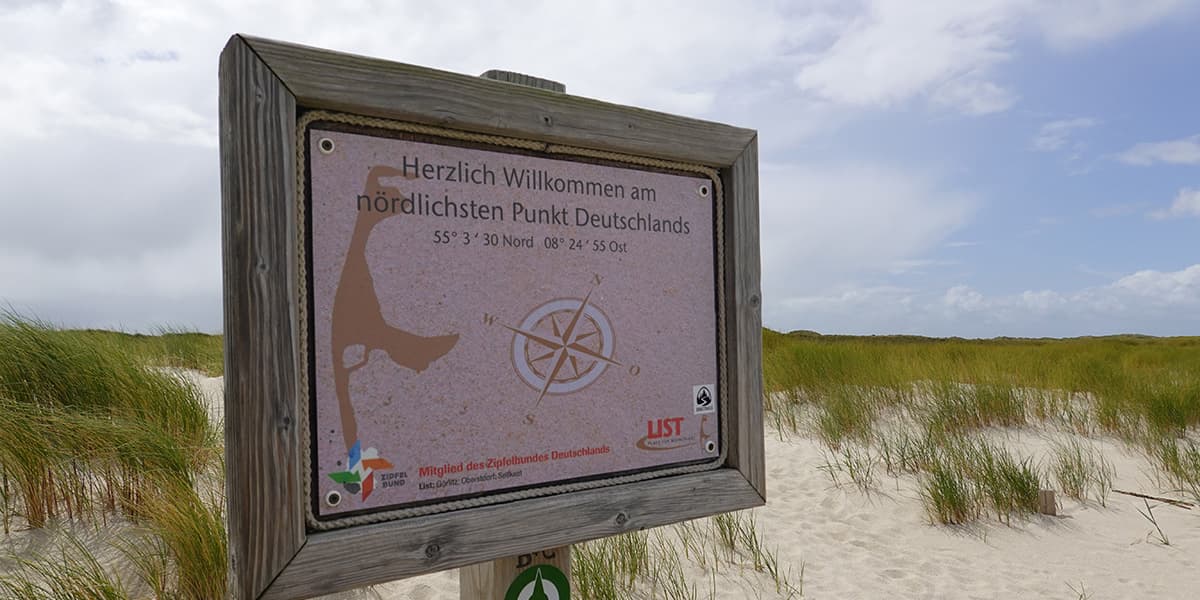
<point x="485" y="322"/>
<point x="467" y="319"/>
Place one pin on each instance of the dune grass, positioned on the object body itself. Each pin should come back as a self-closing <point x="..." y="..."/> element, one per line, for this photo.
<point x="650" y="564"/>
<point x="1000" y="381"/>
<point x="69" y="572"/>
<point x="1081" y="471"/>
<point x="920" y="406"/>
<point x="168" y="347"/>
<point x="1001" y="483"/>
<point x="90" y="433"/>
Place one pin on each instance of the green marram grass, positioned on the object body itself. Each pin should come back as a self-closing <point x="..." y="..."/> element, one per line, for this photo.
<point x="94" y="430"/>
<point x="986" y="475"/>
<point x="68" y="572"/>
<point x="1081" y="471"/>
<point x="923" y="404"/>
<point x="170" y="347"/>
<point x="1129" y="381"/>
<point x="651" y="564"/>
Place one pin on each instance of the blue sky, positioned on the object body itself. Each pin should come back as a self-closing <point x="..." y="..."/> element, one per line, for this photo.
<point x="1057" y="204"/>
<point x="999" y="167"/>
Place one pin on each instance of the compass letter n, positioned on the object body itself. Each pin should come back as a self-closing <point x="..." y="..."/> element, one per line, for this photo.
<point x="488" y="319"/>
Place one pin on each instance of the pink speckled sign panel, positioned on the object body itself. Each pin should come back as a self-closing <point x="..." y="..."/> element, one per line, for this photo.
<point x="483" y="321"/>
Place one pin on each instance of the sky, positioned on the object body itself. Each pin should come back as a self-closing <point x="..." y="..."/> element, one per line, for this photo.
<point x="944" y="168"/>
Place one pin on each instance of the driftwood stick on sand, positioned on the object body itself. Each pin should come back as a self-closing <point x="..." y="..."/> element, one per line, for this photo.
<point x="1171" y="501"/>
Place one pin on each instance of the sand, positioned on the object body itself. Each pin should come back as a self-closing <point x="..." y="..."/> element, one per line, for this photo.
<point x="880" y="544"/>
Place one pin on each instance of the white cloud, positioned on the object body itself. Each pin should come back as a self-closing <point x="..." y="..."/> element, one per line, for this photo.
<point x="826" y="224"/>
<point x="127" y="55"/>
<point x="134" y="292"/>
<point x="1162" y="290"/>
<point x="844" y="309"/>
<point x="1055" y="134"/>
<point x="1150" y="302"/>
<point x="962" y="298"/>
<point x="974" y="97"/>
<point x="896" y="51"/>
<point x="1076" y="23"/>
<point x="950" y="50"/>
<point x="110" y="165"/>
<point x="1186" y="204"/>
<point x="1185" y="151"/>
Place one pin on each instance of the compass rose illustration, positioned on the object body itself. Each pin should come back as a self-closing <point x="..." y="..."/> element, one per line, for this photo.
<point x="562" y="346"/>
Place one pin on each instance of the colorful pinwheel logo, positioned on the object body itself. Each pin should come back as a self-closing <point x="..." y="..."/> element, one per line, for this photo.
<point x="360" y="475"/>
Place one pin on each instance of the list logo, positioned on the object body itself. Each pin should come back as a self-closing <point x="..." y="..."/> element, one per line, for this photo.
<point x="665" y="434"/>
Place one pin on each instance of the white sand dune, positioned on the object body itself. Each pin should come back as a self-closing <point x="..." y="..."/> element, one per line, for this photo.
<point x="881" y="545"/>
<point x="213" y="389"/>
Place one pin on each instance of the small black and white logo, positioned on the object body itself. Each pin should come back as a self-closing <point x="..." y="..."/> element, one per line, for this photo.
<point x="704" y="399"/>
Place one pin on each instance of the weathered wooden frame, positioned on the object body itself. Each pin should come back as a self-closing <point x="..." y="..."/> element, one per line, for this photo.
<point x="264" y="84"/>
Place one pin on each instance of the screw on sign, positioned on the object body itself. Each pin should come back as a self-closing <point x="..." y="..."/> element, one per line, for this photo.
<point x="539" y="582"/>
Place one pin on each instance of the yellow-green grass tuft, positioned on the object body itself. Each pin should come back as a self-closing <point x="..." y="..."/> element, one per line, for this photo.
<point x="92" y="428"/>
<point x="909" y="396"/>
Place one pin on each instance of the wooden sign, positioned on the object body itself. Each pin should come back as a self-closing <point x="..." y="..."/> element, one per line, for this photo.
<point x="467" y="319"/>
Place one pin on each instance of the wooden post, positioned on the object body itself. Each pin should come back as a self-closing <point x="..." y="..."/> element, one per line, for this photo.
<point x="1046" y="503"/>
<point x="495" y="580"/>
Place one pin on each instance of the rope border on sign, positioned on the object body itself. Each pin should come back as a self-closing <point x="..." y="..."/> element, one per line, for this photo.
<point x="509" y="142"/>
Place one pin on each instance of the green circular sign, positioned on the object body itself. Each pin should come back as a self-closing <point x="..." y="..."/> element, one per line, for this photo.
<point x="539" y="582"/>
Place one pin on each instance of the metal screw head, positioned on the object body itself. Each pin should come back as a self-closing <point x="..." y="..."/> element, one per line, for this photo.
<point x="432" y="550"/>
<point x="326" y="145"/>
<point x="622" y="518"/>
<point x="333" y="498"/>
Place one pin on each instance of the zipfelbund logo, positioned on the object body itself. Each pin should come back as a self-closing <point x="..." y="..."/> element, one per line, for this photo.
<point x="665" y="434"/>
<point x="360" y="476"/>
